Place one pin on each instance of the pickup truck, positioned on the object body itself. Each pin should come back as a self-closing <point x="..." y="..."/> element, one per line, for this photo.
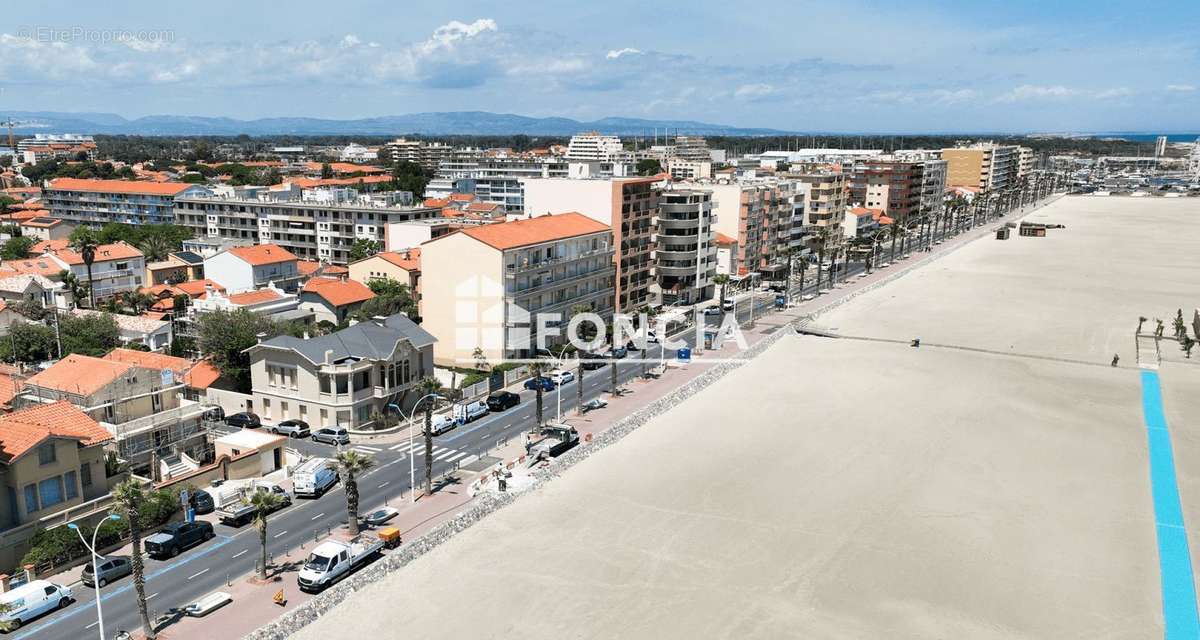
<point x="333" y="560"/>
<point x="242" y="511"/>
<point x="176" y="537"/>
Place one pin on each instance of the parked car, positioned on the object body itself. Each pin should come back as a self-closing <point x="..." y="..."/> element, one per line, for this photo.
<point x="202" y="502"/>
<point x="331" y="435"/>
<point x="727" y="304"/>
<point x="590" y="361"/>
<point x="109" y="569"/>
<point x="469" y="411"/>
<point x="617" y="353"/>
<point x="561" y="376"/>
<point x="545" y="383"/>
<point x="244" y="420"/>
<point x="632" y="345"/>
<point x="502" y="400"/>
<point x="712" y="310"/>
<point x="176" y="537"/>
<point x="380" y="516"/>
<point x="31" y="600"/>
<point x="441" y="423"/>
<point x="292" y="429"/>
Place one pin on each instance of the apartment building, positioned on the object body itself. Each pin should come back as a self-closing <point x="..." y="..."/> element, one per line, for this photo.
<point x="98" y="202"/>
<point x="758" y="213"/>
<point x="44" y="146"/>
<point x="727" y="254"/>
<point x="985" y="166"/>
<point x="116" y="269"/>
<point x="594" y="146"/>
<point x="52" y="456"/>
<point x="629" y="206"/>
<point x="136" y="397"/>
<point x="253" y="267"/>
<point x="333" y="299"/>
<point x="895" y="187"/>
<point x="825" y="198"/>
<point x="402" y="266"/>
<point x="427" y="154"/>
<point x="1025" y="161"/>
<point x="320" y="224"/>
<point x="682" y="169"/>
<point x="346" y="378"/>
<point x="498" y="283"/>
<point x="685" y="256"/>
<point x="491" y="177"/>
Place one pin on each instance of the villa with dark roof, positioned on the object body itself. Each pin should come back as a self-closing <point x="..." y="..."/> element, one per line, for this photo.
<point x="345" y="378"/>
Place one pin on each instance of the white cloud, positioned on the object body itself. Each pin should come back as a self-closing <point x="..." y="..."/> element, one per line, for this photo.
<point x="350" y="40"/>
<point x="1027" y="92"/>
<point x="756" y="91"/>
<point x="1181" y="88"/>
<point x="1108" y="94"/>
<point x="449" y="34"/>
<point x="617" y="53"/>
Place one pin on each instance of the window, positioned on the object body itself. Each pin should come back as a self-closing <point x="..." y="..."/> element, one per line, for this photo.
<point x="85" y="474"/>
<point x="46" y="454"/>
<point x="156" y="402"/>
<point x="343" y="382"/>
<point x="121" y="266"/>
<point x="324" y="383"/>
<point x="31" y="498"/>
<point x="266" y="407"/>
<point x="69" y="484"/>
<point x="50" y="491"/>
<point x="363" y="379"/>
<point x="324" y="416"/>
<point x="283" y="410"/>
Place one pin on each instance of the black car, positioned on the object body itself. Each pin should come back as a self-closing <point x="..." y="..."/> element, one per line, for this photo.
<point x="245" y="420"/>
<point x="502" y="400"/>
<point x="177" y="537"/>
<point x="592" y="361"/>
<point x="201" y="502"/>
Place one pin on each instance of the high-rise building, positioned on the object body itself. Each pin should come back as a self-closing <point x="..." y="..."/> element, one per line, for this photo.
<point x="985" y="166"/>
<point x="98" y="202"/>
<point x="1025" y="161"/>
<point x="759" y="214"/>
<point x="825" y="202"/>
<point x="628" y="205"/>
<point x="899" y="188"/>
<point x="490" y="177"/>
<point x="685" y="256"/>
<point x="1160" y="146"/>
<point x="427" y="154"/>
<point x="593" y="146"/>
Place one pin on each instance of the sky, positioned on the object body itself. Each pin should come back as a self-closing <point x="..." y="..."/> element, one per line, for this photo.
<point x="845" y="66"/>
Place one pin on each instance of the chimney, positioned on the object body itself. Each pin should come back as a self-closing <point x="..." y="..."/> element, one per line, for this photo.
<point x="261" y="337"/>
<point x="379" y="320"/>
<point x="329" y="356"/>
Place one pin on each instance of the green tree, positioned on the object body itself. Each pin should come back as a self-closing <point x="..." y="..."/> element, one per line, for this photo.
<point x="94" y="334"/>
<point x="265" y="503"/>
<point x="326" y="171"/>
<point x="128" y="500"/>
<point x="536" y="369"/>
<point x="428" y="385"/>
<point x="364" y="248"/>
<point x="391" y="297"/>
<point x="17" y="248"/>
<point x="352" y="464"/>
<point x="649" y="167"/>
<point x="225" y="335"/>
<point x="84" y="242"/>
<point x="721" y="280"/>
<point x="28" y="342"/>
<point x="410" y="176"/>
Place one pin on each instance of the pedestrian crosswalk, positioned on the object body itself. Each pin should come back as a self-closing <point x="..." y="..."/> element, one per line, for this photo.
<point x="365" y="450"/>
<point x="417" y="449"/>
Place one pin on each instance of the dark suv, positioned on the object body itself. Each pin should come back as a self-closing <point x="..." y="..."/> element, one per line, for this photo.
<point x="177" y="537"/>
<point x="245" y="420"/>
<point x="502" y="400"/>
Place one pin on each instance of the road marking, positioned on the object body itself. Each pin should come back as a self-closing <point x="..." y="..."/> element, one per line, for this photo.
<point x="445" y="454"/>
<point x="385" y="484"/>
<point x="281" y="533"/>
<point x="366" y="450"/>
<point x="317" y="516"/>
<point x="397" y="447"/>
<point x="155" y="594"/>
<point x="456" y="456"/>
<point x="199" y="573"/>
<point x="241" y="553"/>
<point x="92" y="625"/>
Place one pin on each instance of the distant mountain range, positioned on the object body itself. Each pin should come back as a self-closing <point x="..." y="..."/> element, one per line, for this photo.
<point x="435" y="123"/>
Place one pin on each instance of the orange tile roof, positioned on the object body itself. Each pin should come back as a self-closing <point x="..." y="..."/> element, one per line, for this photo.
<point x="436" y="203"/>
<point x="28" y="206"/>
<point x="310" y="183"/>
<point x="50" y="245"/>
<point x="310" y="267"/>
<point x="261" y="254"/>
<point x="338" y="292"/>
<point x="462" y="197"/>
<point x="198" y="288"/>
<point x="254" y="297"/>
<point x="120" y="250"/>
<point x="80" y="374"/>
<point x="22" y="431"/>
<point x="9" y="385"/>
<point x="860" y="212"/>
<point x="202" y="376"/>
<point x="547" y="228"/>
<point x="724" y="239"/>
<point x="41" y="223"/>
<point x="148" y="360"/>
<point x="120" y="186"/>
<point x="346" y="167"/>
<point x="410" y="263"/>
<point x="31" y="266"/>
<point x="27" y="215"/>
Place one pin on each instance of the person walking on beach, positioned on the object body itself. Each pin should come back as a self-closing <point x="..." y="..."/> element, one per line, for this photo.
<point x="1116" y="359"/>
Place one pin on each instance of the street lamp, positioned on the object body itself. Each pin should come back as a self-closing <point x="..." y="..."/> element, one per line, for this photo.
<point x="412" y="470"/>
<point x="558" y="390"/>
<point x="95" y="566"/>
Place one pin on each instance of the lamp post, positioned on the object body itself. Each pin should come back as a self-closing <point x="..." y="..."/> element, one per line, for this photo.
<point x="412" y="470"/>
<point x="95" y="566"/>
<point x="559" y="389"/>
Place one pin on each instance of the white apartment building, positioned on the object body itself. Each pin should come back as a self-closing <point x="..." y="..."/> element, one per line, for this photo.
<point x="1025" y="161"/>
<point x="429" y="155"/>
<point x="117" y="268"/>
<point x="594" y="146"/>
<point x="492" y="178"/>
<point x="253" y="267"/>
<point x="681" y="169"/>
<point x="496" y="285"/>
<point x="685" y="255"/>
<point x="355" y="152"/>
<point x="320" y="224"/>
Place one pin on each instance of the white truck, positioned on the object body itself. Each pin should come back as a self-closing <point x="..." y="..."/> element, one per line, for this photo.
<point x="241" y="511"/>
<point x="314" y="477"/>
<point x="333" y="560"/>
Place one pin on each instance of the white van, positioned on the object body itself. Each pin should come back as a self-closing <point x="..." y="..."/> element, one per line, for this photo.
<point x="469" y="411"/>
<point x="313" y="478"/>
<point x="29" y="601"/>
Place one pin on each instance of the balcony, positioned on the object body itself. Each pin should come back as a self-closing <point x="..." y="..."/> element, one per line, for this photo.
<point x="554" y="283"/>
<point x="175" y="418"/>
<point x="511" y="270"/>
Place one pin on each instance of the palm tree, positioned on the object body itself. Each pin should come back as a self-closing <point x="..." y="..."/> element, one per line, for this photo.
<point x="428" y="385"/>
<point x="576" y="310"/>
<point x="140" y="301"/>
<point x="721" y="279"/>
<point x="351" y="464"/>
<point x="264" y="503"/>
<point x="803" y="268"/>
<point x="128" y="499"/>
<point x="155" y="247"/>
<point x="895" y="234"/>
<point x="536" y="369"/>
<point x="85" y="244"/>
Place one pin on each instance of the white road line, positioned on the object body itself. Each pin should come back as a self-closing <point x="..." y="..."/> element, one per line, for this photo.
<point x="445" y="455"/>
<point x="397" y="447"/>
<point x="371" y="449"/>
<point x="317" y="516"/>
<point x="385" y="484"/>
<point x="155" y="594"/>
<point x="92" y="624"/>
<point x="200" y="573"/>
<point x="439" y="450"/>
<point x="456" y="456"/>
<point x="365" y="451"/>
<point x="281" y="533"/>
<point x="241" y="553"/>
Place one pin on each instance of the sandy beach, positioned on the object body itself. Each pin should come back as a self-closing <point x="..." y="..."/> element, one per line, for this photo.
<point x="993" y="487"/>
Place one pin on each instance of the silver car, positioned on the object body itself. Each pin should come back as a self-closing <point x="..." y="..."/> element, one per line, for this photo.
<point x="331" y="435"/>
<point x="110" y="569"/>
<point x="292" y="429"/>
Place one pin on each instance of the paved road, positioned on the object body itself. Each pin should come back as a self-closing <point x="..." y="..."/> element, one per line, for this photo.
<point x="233" y="553"/>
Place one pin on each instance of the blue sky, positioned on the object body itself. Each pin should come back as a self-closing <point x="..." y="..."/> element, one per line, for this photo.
<point x="826" y="66"/>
